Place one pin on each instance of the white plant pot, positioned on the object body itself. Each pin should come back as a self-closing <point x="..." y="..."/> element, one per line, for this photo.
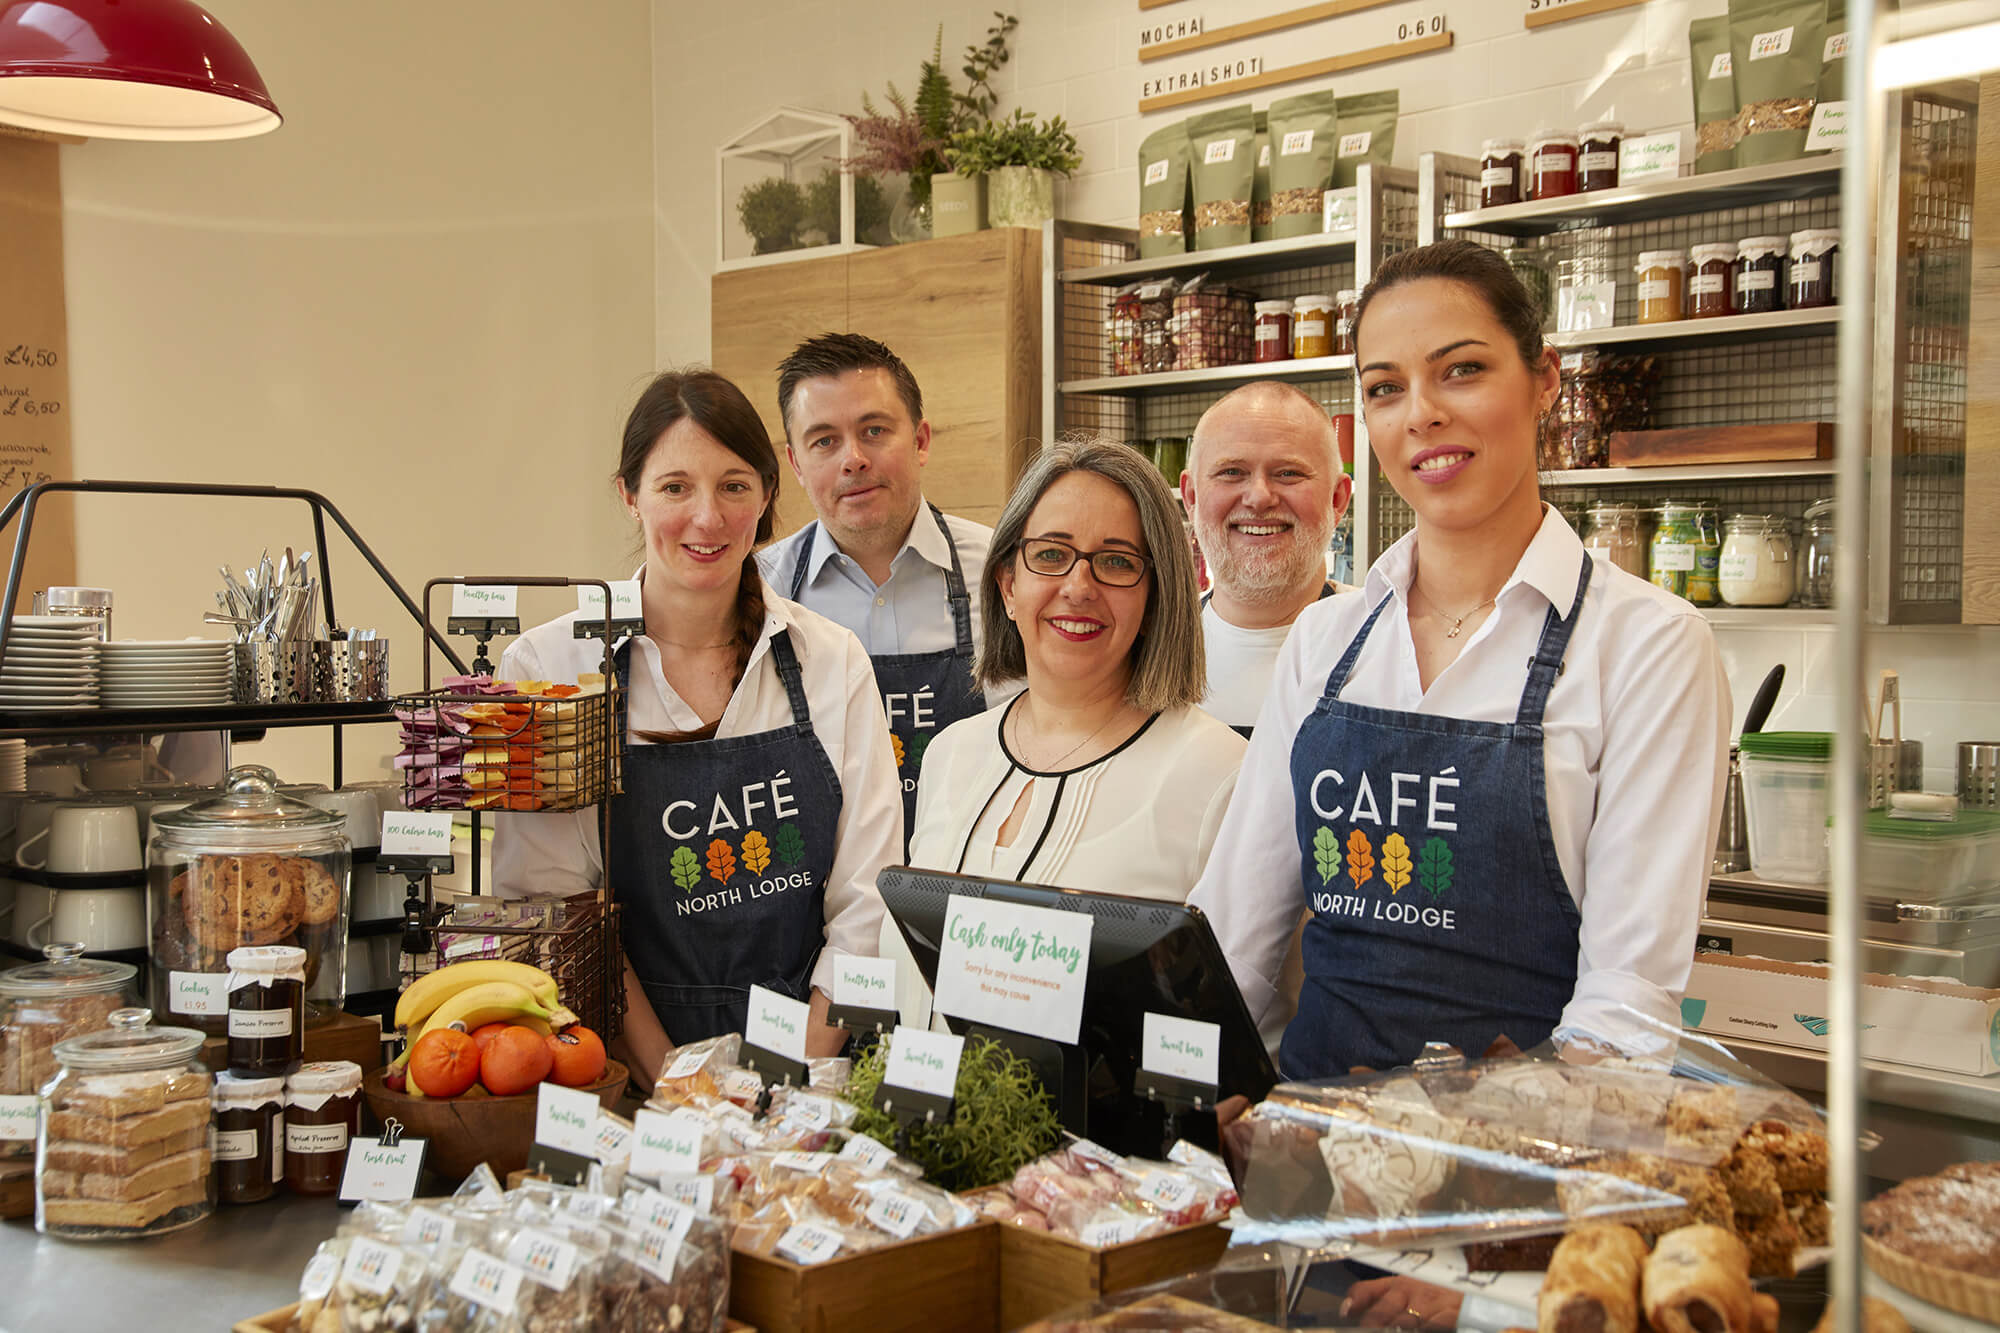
<point x="958" y="204"/>
<point x="1020" y="196"/>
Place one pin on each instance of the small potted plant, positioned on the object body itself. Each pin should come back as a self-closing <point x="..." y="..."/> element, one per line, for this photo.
<point x="958" y="196"/>
<point x="771" y="211"/>
<point x="1022" y="157"/>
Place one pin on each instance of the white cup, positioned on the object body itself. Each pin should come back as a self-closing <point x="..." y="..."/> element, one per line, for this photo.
<point x="94" y="840"/>
<point x="98" y="919"/>
<point x="31" y="905"/>
<point x="55" y="777"/>
<point x="361" y="815"/>
<point x="31" y="831"/>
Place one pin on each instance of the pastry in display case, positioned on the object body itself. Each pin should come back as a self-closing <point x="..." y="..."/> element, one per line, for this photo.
<point x="41" y="1005"/>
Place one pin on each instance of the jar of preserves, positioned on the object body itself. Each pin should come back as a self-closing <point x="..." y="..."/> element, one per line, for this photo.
<point x="1274" y="330"/>
<point x="1756" y="568"/>
<point x="1344" y="307"/>
<point x="42" y="1004"/>
<point x="249" y="1137"/>
<point x="1312" y="326"/>
<point x="248" y="868"/>
<point x="1813" y="583"/>
<point x="1709" y="292"/>
<point x="1814" y="279"/>
<point x="267" y="1011"/>
<point x="322" y="1115"/>
<point x="1614" y="531"/>
<point x="1499" y="173"/>
<point x="1597" y="162"/>
<point x="1552" y="165"/>
<point x="1759" y="276"/>
<point x="1662" y="286"/>
<point x="1686" y="549"/>
<point x="123" y="1145"/>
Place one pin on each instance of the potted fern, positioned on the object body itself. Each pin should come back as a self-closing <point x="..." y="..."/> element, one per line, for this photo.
<point x="1020" y="157"/>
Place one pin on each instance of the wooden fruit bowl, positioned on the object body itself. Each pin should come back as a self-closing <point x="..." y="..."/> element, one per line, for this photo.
<point x="474" y="1127"/>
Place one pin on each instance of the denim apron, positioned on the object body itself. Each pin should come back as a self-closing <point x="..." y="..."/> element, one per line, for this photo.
<point x="1438" y="908"/>
<point x="720" y="852"/>
<point x="922" y="693"/>
<point x="1326" y="591"/>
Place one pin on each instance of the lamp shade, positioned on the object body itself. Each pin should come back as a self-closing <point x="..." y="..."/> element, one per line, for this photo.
<point x="128" y="69"/>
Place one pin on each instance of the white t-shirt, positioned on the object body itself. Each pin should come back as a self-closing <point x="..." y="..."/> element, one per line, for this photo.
<point x="1635" y="748"/>
<point x="1240" y="662"/>
<point x="558" y="853"/>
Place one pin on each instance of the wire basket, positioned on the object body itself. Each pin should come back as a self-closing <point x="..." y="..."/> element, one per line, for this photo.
<point x="574" y="939"/>
<point x="467" y="751"/>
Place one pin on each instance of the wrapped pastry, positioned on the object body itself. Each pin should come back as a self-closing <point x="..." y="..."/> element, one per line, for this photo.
<point x="1593" y="1282"/>
<point x="1698" y="1281"/>
<point x="1390" y="1161"/>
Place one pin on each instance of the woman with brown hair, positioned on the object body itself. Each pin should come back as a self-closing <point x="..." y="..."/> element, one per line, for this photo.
<point x="760" y="794"/>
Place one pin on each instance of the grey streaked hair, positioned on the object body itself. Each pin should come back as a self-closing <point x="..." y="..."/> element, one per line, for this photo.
<point x="1170" y="666"/>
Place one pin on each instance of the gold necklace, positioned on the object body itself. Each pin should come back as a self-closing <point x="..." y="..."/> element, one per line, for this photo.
<point x="1054" y="764"/>
<point x="1457" y="623"/>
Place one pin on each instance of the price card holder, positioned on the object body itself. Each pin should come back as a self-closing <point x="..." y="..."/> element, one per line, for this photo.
<point x="620" y="628"/>
<point x="773" y="1068"/>
<point x="385" y="1168"/>
<point x="921" y="1071"/>
<point x="864" y="995"/>
<point x="559" y="1164"/>
<point x="626" y="618"/>
<point x="483" y="627"/>
<point x="413" y="867"/>
<point x="774" y="1037"/>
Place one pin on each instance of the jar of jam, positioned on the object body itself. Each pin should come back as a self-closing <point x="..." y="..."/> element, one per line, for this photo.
<point x="1552" y="165"/>
<point x="249" y="1137"/>
<point x="1815" y="269"/>
<point x="322" y="1114"/>
<point x="1274" y="330"/>
<point x="1759" y="275"/>
<point x="1662" y="286"/>
<point x="267" y="1014"/>
<point x="1499" y="173"/>
<point x="1344" y="307"/>
<point x="1597" y="163"/>
<point x="1708" y="281"/>
<point x="1312" y="326"/>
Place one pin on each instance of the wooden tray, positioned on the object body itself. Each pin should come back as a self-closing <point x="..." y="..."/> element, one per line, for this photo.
<point x="277" y="1321"/>
<point x="1783" y="443"/>
<point x="950" y="1280"/>
<point x="343" y="1037"/>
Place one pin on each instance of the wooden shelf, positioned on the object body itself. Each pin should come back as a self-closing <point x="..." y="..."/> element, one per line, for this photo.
<point x="1674" y="197"/>
<point x="1757" y="617"/>
<point x="1717" y="330"/>
<point x="1317" y="367"/>
<point x="1720" y="473"/>
<point x="1257" y="257"/>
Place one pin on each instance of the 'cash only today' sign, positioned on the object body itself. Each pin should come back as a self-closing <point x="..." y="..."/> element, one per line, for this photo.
<point x="1016" y="967"/>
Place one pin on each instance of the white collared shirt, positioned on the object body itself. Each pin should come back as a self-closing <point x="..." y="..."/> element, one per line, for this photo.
<point x="559" y="854"/>
<point x="1635" y="748"/>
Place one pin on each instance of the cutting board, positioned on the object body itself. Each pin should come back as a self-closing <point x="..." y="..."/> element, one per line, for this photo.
<point x="1784" y="442"/>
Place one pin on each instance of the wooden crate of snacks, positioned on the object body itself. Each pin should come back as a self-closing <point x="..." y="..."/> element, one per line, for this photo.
<point x="277" y="1321"/>
<point x="1041" y="1273"/>
<point x="949" y="1280"/>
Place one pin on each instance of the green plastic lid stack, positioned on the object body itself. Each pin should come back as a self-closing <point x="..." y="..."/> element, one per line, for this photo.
<point x="1965" y="824"/>
<point x="1810" y="745"/>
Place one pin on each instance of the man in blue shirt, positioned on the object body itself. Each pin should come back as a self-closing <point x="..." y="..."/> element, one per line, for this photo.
<point x="880" y="560"/>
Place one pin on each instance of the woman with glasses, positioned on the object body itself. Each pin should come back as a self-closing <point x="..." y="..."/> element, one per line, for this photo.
<point x="1104" y="774"/>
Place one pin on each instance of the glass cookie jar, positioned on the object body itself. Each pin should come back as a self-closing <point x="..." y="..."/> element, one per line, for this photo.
<point x="41" y="1005"/>
<point x="250" y="868"/>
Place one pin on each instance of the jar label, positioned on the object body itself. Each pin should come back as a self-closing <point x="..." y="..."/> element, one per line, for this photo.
<point x="235" y="1145"/>
<point x="1656" y="289"/>
<point x="316" y="1138"/>
<point x="17" y="1119"/>
<point x="1804" y="271"/>
<point x="1600" y="161"/>
<point x="1756" y="280"/>
<point x="1270" y="333"/>
<point x="277" y="1158"/>
<point x="1310" y="328"/>
<point x="1553" y="159"/>
<point x="1492" y="177"/>
<point x="202" y="994"/>
<point x="259" y="1024"/>
<point x="1737" y="566"/>
<point x="1673" y="556"/>
<point x="1706" y="284"/>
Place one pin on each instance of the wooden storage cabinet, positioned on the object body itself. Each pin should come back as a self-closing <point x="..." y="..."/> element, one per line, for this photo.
<point x="964" y="312"/>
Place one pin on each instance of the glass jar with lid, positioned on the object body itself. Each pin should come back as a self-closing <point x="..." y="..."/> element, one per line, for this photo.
<point x="1756" y="566"/>
<point x="1614" y="531"/>
<point x="123" y="1148"/>
<point x="1709" y="271"/>
<point x="1597" y="162"/>
<point x="247" y="869"/>
<point x="1686" y="549"/>
<point x="1345" y="306"/>
<point x="1274" y="330"/>
<point x="42" y="1004"/>
<point x="249" y="1137"/>
<point x="1813" y="583"/>
<point x="1552" y="164"/>
<point x="322" y="1116"/>
<point x="1662" y="286"/>
<point x="1813" y="276"/>
<point x="1500" y="172"/>
<point x="1312" y="326"/>
<point x="1758" y="279"/>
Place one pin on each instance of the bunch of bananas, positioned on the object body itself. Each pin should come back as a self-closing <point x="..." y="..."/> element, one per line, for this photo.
<point x="474" y="994"/>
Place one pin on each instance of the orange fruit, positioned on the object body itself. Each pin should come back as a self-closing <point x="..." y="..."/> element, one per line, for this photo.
<point x="514" y="1061"/>
<point x="578" y="1055"/>
<point x="444" y="1063"/>
<point x="485" y="1033"/>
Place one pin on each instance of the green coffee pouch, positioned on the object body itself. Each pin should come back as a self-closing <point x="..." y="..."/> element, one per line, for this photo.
<point x="1715" y="105"/>
<point x="1260" y="184"/>
<point x="1830" y="116"/>
<point x="1222" y="154"/>
<point x="1303" y="145"/>
<point x="1774" y="55"/>
<point x="1163" y="192"/>
<point x="1367" y="123"/>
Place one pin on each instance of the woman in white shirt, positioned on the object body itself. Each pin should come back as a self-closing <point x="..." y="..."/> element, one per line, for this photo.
<point x="760" y="793"/>
<point x="1104" y="774"/>
<point x="1493" y="775"/>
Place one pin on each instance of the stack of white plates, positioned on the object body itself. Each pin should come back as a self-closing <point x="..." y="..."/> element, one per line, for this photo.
<point x="51" y="663"/>
<point x="13" y="765"/>
<point x="167" y="673"/>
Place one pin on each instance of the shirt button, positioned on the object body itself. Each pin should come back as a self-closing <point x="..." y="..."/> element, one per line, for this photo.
<point x="881" y="601"/>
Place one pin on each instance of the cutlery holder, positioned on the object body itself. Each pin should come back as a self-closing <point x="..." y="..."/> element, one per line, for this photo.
<point x="268" y="672"/>
<point x="350" y="670"/>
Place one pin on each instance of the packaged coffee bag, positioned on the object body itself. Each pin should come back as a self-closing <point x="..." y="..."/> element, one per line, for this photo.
<point x="1260" y="185"/>
<point x="1715" y="104"/>
<point x="1774" y="54"/>
<point x="1830" y="116"/>
<point x="1367" y="124"/>
<point x="1163" y="192"/>
<point x="1222" y="154"/>
<point x="1303" y="144"/>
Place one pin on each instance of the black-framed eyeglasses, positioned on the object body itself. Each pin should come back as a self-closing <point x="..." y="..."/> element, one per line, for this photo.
<point x="1113" y="568"/>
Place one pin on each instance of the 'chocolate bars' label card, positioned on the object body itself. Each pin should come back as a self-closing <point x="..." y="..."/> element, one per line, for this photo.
<point x="1181" y="1048"/>
<point x="1013" y="966"/>
<point x="665" y="1143"/>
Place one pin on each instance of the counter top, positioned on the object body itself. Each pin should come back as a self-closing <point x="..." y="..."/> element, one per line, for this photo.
<point x="240" y="1262"/>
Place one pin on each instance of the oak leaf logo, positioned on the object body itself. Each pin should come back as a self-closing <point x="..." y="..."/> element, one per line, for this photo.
<point x="1360" y="858"/>
<point x="756" y="852"/>
<point x="1326" y="854"/>
<point x="1395" y="862"/>
<point x="1434" y="867"/>
<point x="685" y="867"/>
<point x="790" y="845"/>
<point x="721" y="860"/>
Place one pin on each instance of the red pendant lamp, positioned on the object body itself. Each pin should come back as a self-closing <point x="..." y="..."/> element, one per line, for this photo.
<point x="128" y="69"/>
